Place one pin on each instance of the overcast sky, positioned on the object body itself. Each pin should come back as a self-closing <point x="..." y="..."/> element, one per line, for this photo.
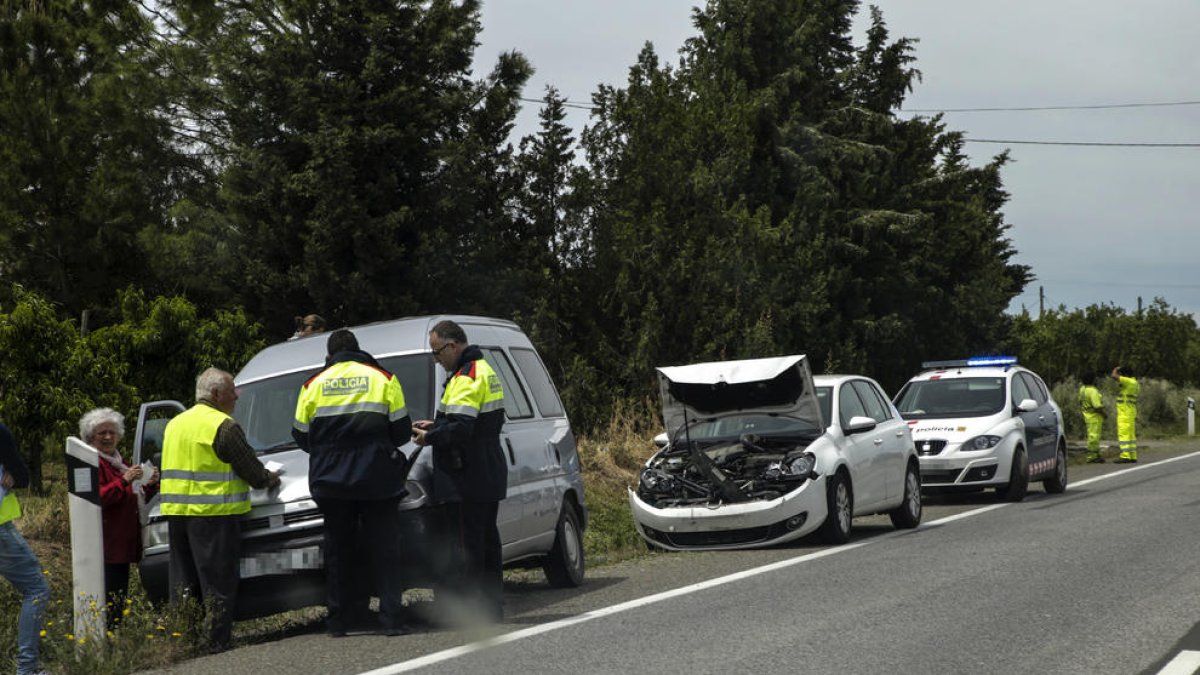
<point x="1096" y="224"/>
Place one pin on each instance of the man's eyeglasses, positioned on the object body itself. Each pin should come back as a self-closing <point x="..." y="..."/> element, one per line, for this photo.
<point x="438" y="351"/>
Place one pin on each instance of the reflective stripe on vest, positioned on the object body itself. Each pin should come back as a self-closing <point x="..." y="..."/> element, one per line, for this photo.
<point x="349" y="388"/>
<point x="10" y="508"/>
<point x="474" y="394"/>
<point x="194" y="481"/>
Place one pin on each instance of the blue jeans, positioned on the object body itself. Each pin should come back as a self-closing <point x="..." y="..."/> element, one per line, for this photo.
<point x="21" y="568"/>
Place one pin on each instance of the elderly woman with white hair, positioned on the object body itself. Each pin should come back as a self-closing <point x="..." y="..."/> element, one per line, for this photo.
<point x="120" y="502"/>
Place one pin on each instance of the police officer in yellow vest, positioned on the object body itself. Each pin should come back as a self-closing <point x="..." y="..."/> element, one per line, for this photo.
<point x="207" y="471"/>
<point x="351" y="418"/>
<point x="18" y="564"/>
<point x="470" y="475"/>
<point x="1127" y="397"/>
<point x="1092" y="407"/>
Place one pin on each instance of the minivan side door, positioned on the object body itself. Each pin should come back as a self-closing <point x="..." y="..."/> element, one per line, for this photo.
<point x="555" y="447"/>
<point x="520" y="431"/>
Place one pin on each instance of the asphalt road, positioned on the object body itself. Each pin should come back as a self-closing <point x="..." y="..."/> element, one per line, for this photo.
<point x="1102" y="579"/>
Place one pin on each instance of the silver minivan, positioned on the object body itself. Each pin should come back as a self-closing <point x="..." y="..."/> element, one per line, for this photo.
<point x="541" y="521"/>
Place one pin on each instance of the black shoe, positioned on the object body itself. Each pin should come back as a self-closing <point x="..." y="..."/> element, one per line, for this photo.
<point x="1125" y="460"/>
<point x="1095" y="460"/>
<point x="392" y="631"/>
<point x="337" y="633"/>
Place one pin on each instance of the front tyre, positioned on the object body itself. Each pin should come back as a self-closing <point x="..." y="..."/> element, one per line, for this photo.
<point x="1018" y="478"/>
<point x="1057" y="483"/>
<point x="908" y="514"/>
<point x="840" y="499"/>
<point x="564" y="565"/>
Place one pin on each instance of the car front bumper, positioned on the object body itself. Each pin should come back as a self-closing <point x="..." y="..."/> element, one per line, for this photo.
<point x="731" y="526"/>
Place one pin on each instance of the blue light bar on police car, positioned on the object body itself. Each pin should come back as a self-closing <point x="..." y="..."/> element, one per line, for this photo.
<point x="973" y="361"/>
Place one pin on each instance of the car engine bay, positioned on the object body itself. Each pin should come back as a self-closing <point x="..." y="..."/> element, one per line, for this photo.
<point x="713" y="472"/>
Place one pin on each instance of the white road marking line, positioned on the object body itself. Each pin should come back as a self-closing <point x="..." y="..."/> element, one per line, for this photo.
<point x="1136" y="467"/>
<point x="1186" y="662"/>
<point x="455" y="652"/>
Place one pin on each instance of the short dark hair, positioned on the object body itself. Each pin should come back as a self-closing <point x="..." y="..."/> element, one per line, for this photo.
<point x="448" y="330"/>
<point x="341" y="340"/>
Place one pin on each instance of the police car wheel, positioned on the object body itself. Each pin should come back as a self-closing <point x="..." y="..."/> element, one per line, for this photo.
<point x="564" y="565"/>
<point x="839" y="496"/>
<point x="908" y="514"/>
<point x="1057" y="483"/>
<point x="1018" y="478"/>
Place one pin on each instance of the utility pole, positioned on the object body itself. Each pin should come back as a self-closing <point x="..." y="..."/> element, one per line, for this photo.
<point x="1139" y="306"/>
<point x="1041" y="300"/>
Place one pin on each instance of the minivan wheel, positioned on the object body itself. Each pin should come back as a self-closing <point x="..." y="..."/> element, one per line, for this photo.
<point x="564" y="564"/>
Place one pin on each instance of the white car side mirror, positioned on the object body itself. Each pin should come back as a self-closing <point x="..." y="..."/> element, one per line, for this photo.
<point x="660" y="441"/>
<point x="1027" y="405"/>
<point x="858" y="424"/>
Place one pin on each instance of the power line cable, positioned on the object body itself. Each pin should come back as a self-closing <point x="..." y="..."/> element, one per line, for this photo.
<point x="583" y="106"/>
<point x="1083" y="143"/>
<point x="1101" y="106"/>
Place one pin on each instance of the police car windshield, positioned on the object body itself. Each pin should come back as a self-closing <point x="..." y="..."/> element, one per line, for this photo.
<point x="266" y="408"/>
<point x="952" y="397"/>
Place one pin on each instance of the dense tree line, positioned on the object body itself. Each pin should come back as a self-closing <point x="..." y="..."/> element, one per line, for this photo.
<point x="238" y="163"/>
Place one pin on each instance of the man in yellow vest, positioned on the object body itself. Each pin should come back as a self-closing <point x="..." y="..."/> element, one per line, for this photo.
<point x="18" y="564"/>
<point x="1092" y="407"/>
<point x="470" y="474"/>
<point x="351" y="419"/>
<point x="207" y="470"/>
<point x="1127" y="397"/>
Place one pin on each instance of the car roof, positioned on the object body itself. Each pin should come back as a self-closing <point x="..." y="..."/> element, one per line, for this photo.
<point x="830" y="380"/>
<point x="408" y="335"/>
<point x="968" y="371"/>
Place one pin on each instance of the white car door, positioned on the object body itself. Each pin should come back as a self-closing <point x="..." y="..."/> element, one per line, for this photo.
<point x="862" y="450"/>
<point x="893" y="432"/>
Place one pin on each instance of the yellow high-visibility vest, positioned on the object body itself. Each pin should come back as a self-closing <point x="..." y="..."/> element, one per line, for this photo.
<point x="10" y="508"/>
<point x="194" y="481"/>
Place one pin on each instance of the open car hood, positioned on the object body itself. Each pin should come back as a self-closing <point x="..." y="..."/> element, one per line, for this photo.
<point x="779" y="385"/>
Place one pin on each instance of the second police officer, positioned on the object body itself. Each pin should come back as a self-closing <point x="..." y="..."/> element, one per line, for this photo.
<point x="351" y="419"/>
<point x="470" y="476"/>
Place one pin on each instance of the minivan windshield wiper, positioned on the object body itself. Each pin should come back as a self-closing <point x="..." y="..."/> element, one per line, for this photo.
<point x="285" y="445"/>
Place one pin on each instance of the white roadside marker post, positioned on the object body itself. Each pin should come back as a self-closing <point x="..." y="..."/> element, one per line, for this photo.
<point x="87" y="539"/>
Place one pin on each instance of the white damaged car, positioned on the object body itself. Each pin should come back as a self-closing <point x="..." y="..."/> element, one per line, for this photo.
<point x="759" y="452"/>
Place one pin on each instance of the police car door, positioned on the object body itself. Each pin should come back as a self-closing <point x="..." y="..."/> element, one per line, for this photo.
<point x="1044" y="440"/>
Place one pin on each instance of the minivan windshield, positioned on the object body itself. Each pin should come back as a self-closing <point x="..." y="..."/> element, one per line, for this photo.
<point x="265" y="409"/>
<point x="952" y="397"/>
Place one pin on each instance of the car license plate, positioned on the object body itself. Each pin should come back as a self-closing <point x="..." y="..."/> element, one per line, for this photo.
<point x="281" y="562"/>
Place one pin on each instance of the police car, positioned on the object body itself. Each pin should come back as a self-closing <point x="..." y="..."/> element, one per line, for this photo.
<point x="985" y="423"/>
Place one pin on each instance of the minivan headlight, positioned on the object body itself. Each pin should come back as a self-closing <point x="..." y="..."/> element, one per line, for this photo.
<point x="981" y="443"/>
<point x="415" y="492"/>
<point x="155" y="533"/>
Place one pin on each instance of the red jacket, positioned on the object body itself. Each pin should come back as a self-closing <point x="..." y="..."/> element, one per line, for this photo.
<point x="119" y="513"/>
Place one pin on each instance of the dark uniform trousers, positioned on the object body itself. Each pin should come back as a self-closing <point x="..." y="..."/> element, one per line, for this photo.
<point x="206" y="552"/>
<point x="355" y="530"/>
<point x="482" y="559"/>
